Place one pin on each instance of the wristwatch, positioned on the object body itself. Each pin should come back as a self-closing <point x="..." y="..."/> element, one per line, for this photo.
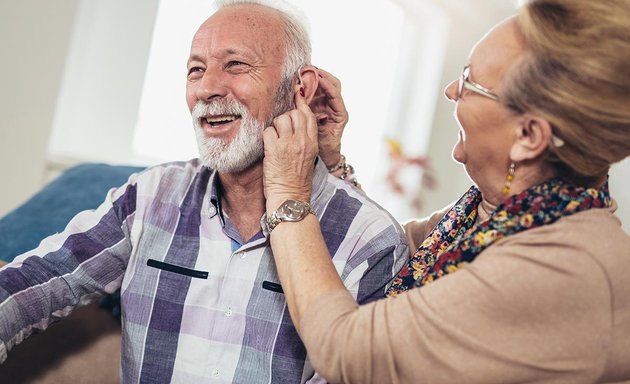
<point x="290" y="210"/>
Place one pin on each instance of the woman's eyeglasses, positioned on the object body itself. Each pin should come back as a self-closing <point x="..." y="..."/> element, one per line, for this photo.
<point x="466" y="83"/>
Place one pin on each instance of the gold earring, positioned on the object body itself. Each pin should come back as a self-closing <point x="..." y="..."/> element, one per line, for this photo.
<point x="508" y="179"/>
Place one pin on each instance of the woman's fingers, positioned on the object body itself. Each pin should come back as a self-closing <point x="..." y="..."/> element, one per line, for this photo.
<point x="332" y="117"/>
<point x="329" y="78"/>
<point x="294" y="131"/>
<point x="304" y="116"/>
<point x="331" y="91"/>
<point x="290" y="151"/>
<point x="283" y="125"/>
<point x="328" y="100"/>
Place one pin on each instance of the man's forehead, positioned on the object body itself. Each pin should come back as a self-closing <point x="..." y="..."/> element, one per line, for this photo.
<point x="243" y="25"/>
<point x="245" y="18"/>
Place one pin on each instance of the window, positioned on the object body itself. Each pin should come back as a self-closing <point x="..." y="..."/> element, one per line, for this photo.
<point x="123" y="102"/>
<point x="364" y="50"/>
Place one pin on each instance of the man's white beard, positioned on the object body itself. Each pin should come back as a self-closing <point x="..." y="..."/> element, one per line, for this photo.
<point x="228" y="156"/>
<point x="247" y="147"/>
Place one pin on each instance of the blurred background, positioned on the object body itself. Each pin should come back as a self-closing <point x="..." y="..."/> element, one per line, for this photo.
<point x="103" y="81"/>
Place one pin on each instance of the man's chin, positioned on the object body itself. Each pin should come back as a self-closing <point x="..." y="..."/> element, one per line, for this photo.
<point x="227" y="165"/>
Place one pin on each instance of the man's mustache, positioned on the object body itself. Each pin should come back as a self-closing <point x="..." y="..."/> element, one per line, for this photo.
<point x="219" y="107"/>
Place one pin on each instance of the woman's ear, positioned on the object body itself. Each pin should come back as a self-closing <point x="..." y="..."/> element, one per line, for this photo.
<point x="309" y="79"/>
<point x="532" y="138"/>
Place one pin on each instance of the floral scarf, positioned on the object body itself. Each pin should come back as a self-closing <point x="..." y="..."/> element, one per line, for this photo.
<point x="456" y="239"/>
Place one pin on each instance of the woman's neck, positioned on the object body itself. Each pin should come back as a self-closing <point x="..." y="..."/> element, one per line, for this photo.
<point x="484" y="211"/>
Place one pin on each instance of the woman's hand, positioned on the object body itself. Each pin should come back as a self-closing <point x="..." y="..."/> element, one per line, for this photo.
<point x="290" y="152"/>
<point x="331" y="114"/>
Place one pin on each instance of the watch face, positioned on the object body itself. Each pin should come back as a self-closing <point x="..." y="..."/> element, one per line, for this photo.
<point x="292" y="210"/>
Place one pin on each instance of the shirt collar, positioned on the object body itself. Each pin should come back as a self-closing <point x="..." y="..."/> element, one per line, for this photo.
<point x="214" y="208"/>
<point x="320" y="173"/>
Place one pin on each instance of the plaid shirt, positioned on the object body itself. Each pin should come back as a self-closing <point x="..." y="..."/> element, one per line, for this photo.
<point x="199" y="304"/>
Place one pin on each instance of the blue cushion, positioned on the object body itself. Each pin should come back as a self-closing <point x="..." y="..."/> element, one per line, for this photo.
<point x="79" y="188"/>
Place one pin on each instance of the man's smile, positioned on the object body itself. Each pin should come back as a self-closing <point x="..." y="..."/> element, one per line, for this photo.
<point x="214" y="125"/>
<point x="221" y="119"/>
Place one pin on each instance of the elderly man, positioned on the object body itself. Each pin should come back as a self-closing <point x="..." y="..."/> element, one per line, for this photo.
<point x="187" y="242"/>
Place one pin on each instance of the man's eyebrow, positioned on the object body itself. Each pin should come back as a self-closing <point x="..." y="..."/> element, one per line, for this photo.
<point x="226" y="52"/>
<point x="194" y="57"/>
<point x="234" y="51"/>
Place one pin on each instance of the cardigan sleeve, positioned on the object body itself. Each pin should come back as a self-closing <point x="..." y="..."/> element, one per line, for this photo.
<point x="525" y="310"/>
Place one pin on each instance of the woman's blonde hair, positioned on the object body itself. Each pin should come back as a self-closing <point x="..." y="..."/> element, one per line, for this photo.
<point x="576" y="75"/>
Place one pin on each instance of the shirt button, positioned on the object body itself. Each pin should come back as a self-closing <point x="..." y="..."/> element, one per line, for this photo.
<point x="212" y="211"/>
<point x="243" y="255"/>
<point x="228" y="312"/>
<point x="215" y="372"/>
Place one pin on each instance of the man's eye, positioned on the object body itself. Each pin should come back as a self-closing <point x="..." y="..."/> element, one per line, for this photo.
<point x="235" y="63"/>
<point x="194" y="69"/>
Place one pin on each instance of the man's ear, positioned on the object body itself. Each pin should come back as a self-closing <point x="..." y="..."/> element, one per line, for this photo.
<point x="532" y="138"/>
<point x="310" y="81"/>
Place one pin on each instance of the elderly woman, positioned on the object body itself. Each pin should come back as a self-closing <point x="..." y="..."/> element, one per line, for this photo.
<point x="524" y="278"/>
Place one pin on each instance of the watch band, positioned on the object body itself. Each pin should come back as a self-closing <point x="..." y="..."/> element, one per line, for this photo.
<point x="287" y="212"/>
<point x="272" y="221"/>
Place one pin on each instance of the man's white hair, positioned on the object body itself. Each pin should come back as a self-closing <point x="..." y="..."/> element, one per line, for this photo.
<point x="297" y="40"/>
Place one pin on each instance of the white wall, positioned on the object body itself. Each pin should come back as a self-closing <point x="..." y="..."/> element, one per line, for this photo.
<point x="102" y="84"/>
<point x="71" y="76"/>
<point x="620" y="190"/>
<point x="34" y="40"/>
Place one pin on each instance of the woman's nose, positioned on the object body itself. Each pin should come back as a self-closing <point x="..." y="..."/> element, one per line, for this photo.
<point x="451" y="91"/>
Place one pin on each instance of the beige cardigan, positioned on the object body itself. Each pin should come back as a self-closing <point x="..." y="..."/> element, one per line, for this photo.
<point x="550" y="304"/>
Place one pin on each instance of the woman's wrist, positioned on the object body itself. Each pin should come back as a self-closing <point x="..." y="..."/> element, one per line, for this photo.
<point x="339" y="165"/>
<point x="331" y="158"/>
<point x="344" y="171"/>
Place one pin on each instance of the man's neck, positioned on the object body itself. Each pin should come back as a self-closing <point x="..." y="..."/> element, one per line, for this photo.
<point x="243" y="199"/>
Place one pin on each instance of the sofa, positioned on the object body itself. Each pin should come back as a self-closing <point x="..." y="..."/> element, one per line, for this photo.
<point x="85" y="347"/>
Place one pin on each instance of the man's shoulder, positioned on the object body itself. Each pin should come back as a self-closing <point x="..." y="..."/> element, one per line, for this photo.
<point x="344" y="202"/>
<point x="164" y="172"/>
<point x="337" y="187"/>
<point x="175" y="168"/>
<point x="172" y="178"/>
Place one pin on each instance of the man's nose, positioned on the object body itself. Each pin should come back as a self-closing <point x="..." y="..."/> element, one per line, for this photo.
<point x="451" y="91"/>
<point x="212" y="85"/>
